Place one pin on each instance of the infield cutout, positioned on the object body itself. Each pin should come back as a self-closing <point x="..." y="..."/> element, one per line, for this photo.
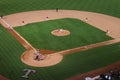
<point x="60" y="32"/>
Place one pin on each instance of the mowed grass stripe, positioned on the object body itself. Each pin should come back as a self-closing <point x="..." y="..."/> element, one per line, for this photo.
<point x="39" y="34"/>
<point x="71" y="65"/>
<point x="10" y="52"/>
<point x="110" y="7"/>
<point x="85" y="61"/>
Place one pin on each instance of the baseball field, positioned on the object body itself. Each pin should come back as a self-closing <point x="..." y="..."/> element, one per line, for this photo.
<point x="76" y="39"/>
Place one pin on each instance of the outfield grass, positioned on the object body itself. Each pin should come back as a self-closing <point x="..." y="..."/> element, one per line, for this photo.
<point x="110" y="7"/>
<point x="72" y="64"/>
<point x="10" y="52"/>
<point x="39" y="34"/>
<point x="85" y="61"/>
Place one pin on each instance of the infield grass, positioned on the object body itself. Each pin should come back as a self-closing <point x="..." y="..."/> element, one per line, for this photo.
<point x="39" y="34"/>
<point x="73" y="64"/>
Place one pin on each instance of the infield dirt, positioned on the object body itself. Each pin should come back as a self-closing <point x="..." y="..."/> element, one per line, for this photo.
<point x="101" y="21"/>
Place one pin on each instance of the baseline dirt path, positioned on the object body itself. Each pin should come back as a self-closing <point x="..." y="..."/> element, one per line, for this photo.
<point x="21" y="39"/>
<point x="103" y="22"/>
<point x="83" y="48"/>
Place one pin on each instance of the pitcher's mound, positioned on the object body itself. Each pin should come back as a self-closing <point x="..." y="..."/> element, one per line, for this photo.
<point x="60" y="32"/>
<point x="49" y="60"/>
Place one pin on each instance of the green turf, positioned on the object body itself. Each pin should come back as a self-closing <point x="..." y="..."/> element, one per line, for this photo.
<point x="73" y="64"/>
<point x="39" y="34"/>
<point x="10" y="49"/>
<point x="10" y="52"/>
<point x="110" y="7"/>
<point x="85" y="61"/>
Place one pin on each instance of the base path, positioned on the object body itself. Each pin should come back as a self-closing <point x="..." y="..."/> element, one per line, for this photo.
<point x="83" y="48"/>
<point x="101" y="21"/>
<point x="104" y="22"/>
